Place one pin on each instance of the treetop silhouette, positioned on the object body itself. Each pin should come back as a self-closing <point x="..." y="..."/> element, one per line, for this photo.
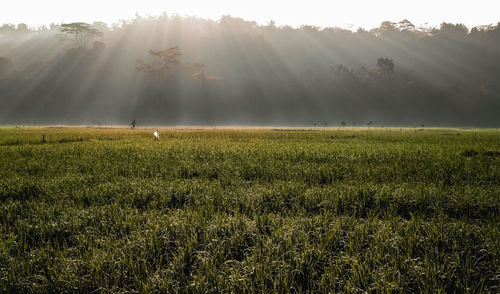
<point x="79" y="32"/>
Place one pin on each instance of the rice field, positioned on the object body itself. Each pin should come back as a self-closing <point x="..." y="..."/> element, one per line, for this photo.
<point x="113" y="210"/>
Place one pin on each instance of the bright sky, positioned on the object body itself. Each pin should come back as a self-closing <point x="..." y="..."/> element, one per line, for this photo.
<point x="342" y="13"/>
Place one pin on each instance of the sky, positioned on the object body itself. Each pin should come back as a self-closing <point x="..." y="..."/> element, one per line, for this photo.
<point x="349" y="14"/>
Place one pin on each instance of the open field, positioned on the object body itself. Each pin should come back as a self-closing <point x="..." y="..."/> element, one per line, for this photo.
<point x="113" y="210"/>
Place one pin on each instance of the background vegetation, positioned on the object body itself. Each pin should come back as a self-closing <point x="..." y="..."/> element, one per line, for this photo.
<point x="237" y="72"/>
<point x="112" y="210"/>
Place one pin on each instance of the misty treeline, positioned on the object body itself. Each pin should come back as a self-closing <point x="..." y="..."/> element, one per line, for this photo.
<point x="185" y="70"/>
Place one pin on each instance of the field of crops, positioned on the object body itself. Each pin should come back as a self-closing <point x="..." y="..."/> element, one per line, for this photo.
<point x="113" y="210"/>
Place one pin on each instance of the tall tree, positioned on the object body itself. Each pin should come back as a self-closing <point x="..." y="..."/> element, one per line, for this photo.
<point x="22" y="28"/>
<point x="7" y="29"/>
<point x="165" y="65"/>
<point x="80" y="32"/>
<point x="385" y="66"/>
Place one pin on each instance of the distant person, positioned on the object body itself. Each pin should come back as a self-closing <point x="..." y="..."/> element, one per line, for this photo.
<point x="132" y="124"/>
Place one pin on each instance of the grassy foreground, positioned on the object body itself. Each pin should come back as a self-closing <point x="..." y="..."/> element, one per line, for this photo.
<point x="112" y="210"/>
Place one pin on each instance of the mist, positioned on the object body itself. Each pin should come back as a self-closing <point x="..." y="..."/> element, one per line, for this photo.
<point x="173" y="70"/>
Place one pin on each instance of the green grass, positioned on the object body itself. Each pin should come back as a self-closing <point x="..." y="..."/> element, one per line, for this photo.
<point x="112" y="210"/>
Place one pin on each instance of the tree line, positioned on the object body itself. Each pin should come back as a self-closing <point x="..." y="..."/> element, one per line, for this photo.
<point x="186" y="70"/>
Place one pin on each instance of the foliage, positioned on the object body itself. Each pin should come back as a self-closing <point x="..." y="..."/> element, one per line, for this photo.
<point x="7" y="28"/>
<point x="6" y="65"/>
<point x="80" y="32"/>
<point x="269" y="75"/>
<point x="385" y="66"/>
<point x="167" y="65"/>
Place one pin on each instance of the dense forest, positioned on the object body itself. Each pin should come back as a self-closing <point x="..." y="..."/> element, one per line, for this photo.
<point x="173" y="70"/>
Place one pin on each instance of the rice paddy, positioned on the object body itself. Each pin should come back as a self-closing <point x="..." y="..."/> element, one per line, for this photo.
<point x="249" y="210"/>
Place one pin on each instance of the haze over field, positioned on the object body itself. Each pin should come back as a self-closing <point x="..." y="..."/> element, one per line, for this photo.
<point x="184" y="70"/>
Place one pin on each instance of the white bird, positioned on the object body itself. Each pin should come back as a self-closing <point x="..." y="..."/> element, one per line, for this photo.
<point x="157" y="134"/>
